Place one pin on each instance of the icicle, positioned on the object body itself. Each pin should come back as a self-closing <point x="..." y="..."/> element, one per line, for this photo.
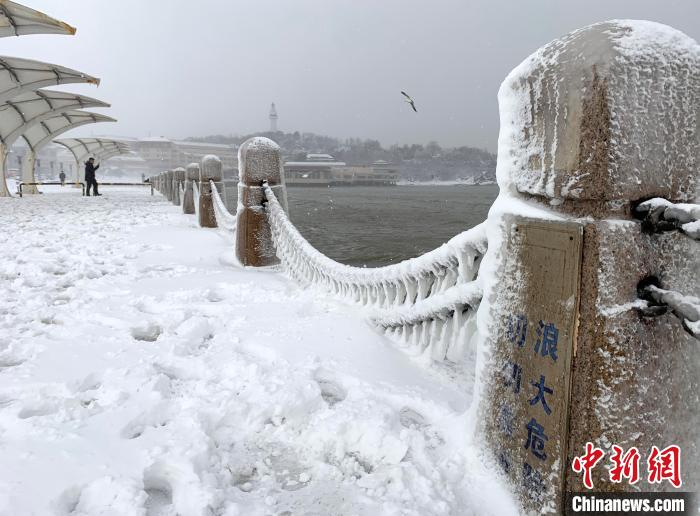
<point x="422" y="290"/>
<point x="410" y="287"/>
<point x="438" y="342"/>
<point x="466" y="344"/>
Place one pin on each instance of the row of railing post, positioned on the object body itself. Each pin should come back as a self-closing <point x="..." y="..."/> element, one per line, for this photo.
<point x="177" y="186"/>
<point x="568" y="355"/>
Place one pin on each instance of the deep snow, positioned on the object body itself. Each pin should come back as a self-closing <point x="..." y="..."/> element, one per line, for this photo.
<point x="143" y="372"/>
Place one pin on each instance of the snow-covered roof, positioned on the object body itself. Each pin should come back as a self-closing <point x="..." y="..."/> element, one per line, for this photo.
<point x="314" y="164"/>
<point x="18" y="20"/>
<point x="155" y="139"/>
<point x="82" y="148"/>
<point x="30" y="108"/>
<point x="203" y="144"/>
<point x="319" y="157"/>
<point x="18" y="76"/>
<point x="132" y="159"/>
<point x="107" y="153"/>
<point x="40" y="134"/>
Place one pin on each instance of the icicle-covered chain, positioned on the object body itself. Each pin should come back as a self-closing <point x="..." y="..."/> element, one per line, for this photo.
<point x="427" y="303"/>
<point x="224" y="219"/>
<point x="405" y="283"/>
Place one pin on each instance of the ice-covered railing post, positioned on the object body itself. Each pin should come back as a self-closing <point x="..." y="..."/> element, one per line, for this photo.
<point x="210" y="170"/>
<point x="178" y="179"/>
<point x="169" y="181"/>
<point x="591" y="124"/>
<point x="259" y="161"/>
<point x="191" y="175"/>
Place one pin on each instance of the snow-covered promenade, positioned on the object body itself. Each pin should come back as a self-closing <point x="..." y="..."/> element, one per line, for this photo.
<point x="143" y="373"/>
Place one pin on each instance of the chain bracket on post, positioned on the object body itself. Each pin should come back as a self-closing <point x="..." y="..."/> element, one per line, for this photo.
<point x="660" y="301"/>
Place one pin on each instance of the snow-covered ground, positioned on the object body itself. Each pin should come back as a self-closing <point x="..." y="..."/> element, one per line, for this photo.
<point x="143" y="373"/>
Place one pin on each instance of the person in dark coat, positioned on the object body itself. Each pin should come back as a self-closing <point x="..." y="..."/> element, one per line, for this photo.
<point x="90" y="169"/>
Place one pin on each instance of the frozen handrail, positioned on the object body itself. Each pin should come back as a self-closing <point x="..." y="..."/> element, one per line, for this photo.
<point x="404" y="284"/>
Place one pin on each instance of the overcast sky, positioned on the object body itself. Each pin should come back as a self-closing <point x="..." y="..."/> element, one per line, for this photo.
<point x="174" y="68"/>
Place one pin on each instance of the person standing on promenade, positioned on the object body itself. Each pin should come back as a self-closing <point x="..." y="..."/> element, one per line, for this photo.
<point x="90" y="169"/>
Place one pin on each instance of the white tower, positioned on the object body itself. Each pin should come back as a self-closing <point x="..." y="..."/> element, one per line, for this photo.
<point x="273" y="118"/>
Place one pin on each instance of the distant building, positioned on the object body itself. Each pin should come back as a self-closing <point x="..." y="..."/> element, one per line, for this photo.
<point x="129" y="165"/>
<point x="164" y="154"/>
<point x="324" y="170"/>
<point x="48" y="162"/>
<point x="273" y="118"/>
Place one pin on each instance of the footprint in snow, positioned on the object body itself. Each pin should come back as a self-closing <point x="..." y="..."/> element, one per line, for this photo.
<point x="148" y="332"/>
<point x="213" y="296"/>
<point x="159" y="491"/>
<point x="37" y="411"/>
<point x="159" y="416"/>
<point x="7" y="360"/>
<point x="331" y="391"/>
<point x="409" y="418"/>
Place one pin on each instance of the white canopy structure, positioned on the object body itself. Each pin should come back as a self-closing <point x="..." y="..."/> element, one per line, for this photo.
<point x="28" y="109"/>
<point x="21" y="75"/>
<point x="42" y="133"/>
<point x="18" y="20"/>
<point x="100" y="148"/>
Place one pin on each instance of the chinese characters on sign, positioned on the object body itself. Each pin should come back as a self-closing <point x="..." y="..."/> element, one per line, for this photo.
<point x="545" y="346"/>
<point x="661" y="465"/>
<point x="526" y="415"/>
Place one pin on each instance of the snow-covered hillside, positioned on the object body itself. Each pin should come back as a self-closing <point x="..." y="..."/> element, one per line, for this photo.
<point x="143" y="373"/>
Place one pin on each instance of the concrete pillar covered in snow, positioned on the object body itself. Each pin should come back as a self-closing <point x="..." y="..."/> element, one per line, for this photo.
<point x="259" y="160"/>
<point x="191" y="175"/>
<point x="210" y="170"/>
<point x="4" y="191"/>
<point x="169" y="180"/>
<point x="28" y="167"/>
<point x="591" y="124"/>
<point x="178" y="181"/>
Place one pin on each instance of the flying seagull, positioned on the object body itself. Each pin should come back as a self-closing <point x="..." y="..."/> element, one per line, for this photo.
<point x="409" y="100"/>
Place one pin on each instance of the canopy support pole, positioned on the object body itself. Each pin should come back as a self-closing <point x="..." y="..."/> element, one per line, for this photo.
<point x="4" y="191"/>
<point x="28" y="165"/>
